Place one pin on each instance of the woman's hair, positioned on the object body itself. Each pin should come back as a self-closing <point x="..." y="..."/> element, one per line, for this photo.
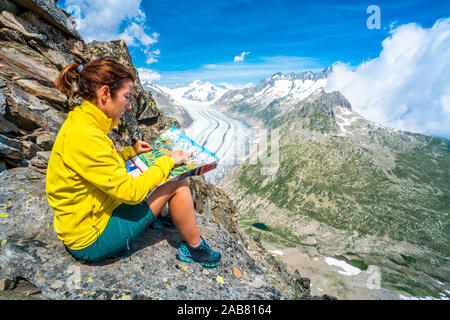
<point x="77" y="80"/>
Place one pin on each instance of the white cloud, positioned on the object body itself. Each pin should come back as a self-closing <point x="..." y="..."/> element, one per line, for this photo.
<point x="106" y="20"/>
<point x="241" y="57"/>
<point x="407" y="86"/>
<point x="134" y="34"/>
<point x="147" y="75"/>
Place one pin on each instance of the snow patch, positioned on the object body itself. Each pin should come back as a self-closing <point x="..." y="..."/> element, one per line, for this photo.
<point x="277" y="252"/>
<point x="349" y="270"/>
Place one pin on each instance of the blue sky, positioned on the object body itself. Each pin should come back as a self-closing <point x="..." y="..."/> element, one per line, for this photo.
<point x="199" y="39"/>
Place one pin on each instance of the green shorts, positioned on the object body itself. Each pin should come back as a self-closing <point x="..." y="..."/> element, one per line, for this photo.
<point x="126" y="223"/>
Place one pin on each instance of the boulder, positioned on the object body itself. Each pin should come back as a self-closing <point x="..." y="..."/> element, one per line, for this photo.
<point x="2" y="101"/>
<point x="3" y="166"/>
<point x="29" y="112"/>
<point x="6" y="5"/>
<point x="45" y="140"/>
<point x="48" y="10"/>
<point x="43" y="92"/>
<point x="30" y="149"/>
<point x="30" y="29"/>
<point x="10" y="148"/>
<point x="22" y="27"/>
<point x="21" y="62"/>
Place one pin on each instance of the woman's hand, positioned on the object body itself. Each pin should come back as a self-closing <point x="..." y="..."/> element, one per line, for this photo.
<point x="141" y="146"/>
<point x="181" y="156"/>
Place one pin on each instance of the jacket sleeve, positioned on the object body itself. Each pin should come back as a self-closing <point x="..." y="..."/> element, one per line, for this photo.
<point x="96" y="160"/>
<point x="127" y="153"/>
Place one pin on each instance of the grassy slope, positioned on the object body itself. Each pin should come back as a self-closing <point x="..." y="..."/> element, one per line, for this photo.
<point x="386" y="184"/>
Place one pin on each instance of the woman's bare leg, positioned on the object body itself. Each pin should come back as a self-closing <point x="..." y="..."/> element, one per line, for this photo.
<point x="181" y="206"/>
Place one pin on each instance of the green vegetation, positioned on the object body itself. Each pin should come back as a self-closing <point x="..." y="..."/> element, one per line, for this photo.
<point x="361" y="197"/>
<point x="377" y="182"/>
<point x="359" y="264"/>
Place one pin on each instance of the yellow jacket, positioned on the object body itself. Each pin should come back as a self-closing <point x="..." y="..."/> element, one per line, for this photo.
<point x="86" y="177"/>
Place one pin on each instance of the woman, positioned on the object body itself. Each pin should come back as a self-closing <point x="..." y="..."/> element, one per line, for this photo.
<point x="98" y="207"/>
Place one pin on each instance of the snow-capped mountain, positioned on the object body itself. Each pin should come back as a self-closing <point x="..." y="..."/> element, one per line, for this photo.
<point x="202" y="91"/>
<point x="275" y="93"/>
<point x="168" y="105"/>
<point x="197" y="93"/>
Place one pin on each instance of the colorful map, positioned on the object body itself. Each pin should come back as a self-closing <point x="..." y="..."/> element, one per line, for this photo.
<point x="171" y="140"/>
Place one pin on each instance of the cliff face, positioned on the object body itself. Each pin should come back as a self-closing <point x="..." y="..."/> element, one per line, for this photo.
<point x="37" y="40"/>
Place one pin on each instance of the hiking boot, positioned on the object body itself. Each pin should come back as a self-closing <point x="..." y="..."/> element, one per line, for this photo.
<point x="163" y="222"/>
<point x="203" y="254"/>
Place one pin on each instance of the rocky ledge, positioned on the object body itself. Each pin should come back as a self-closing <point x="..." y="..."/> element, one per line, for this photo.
<point x="30" y="250"/>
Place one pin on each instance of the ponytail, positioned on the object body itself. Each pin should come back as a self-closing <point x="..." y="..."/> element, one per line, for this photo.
<point x="77" y="80"/>
<point x="67" y="79"/>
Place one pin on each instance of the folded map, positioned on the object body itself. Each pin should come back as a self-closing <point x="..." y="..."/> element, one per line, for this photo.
<point x="171" y="140"/>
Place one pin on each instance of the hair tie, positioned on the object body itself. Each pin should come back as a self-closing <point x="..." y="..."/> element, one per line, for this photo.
<point x="80" y="68"/>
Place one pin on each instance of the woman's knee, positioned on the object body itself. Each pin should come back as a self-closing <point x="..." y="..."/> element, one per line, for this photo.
<point x="181" y="186"/>
<point x="175" y="186"/>
<point x="184" y="182"/>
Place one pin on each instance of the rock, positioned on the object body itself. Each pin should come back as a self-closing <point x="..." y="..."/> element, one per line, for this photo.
<point x="34" y="253"/>
<point x="19" y="61"/>
<point x="236" y="273"/>
<point x="297" y="275"/>
<point x="10" y="148"/>
<point x="181" y="288"/>
<point x="30" y="149"/>
<point x="44" y="155"/>
<point x="2" y="103"/>
<point x="46" y="140"/>
<point x="56" y="57"/>
<point x="211" y="200"/>
<point x="67" y="49"/>
<point x="257" y="283"/>
<point x="8" y="6"/>
<point x="6" y="284"/>
<point x="2" y="166"/>
<point x="43" y="92"/>
<point x="35" y="36"/>
<point x="11" y="35"/>
<point x="38" y="163"/>
<point x="14" y="23"/>
<point x="7" y="126"/>
<point x="29" y="112"/>
<point x="305" y="283"/>
<point x="48" y="10"/>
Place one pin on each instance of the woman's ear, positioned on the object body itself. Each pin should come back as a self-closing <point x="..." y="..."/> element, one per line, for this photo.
<point x="105" y="94"/>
